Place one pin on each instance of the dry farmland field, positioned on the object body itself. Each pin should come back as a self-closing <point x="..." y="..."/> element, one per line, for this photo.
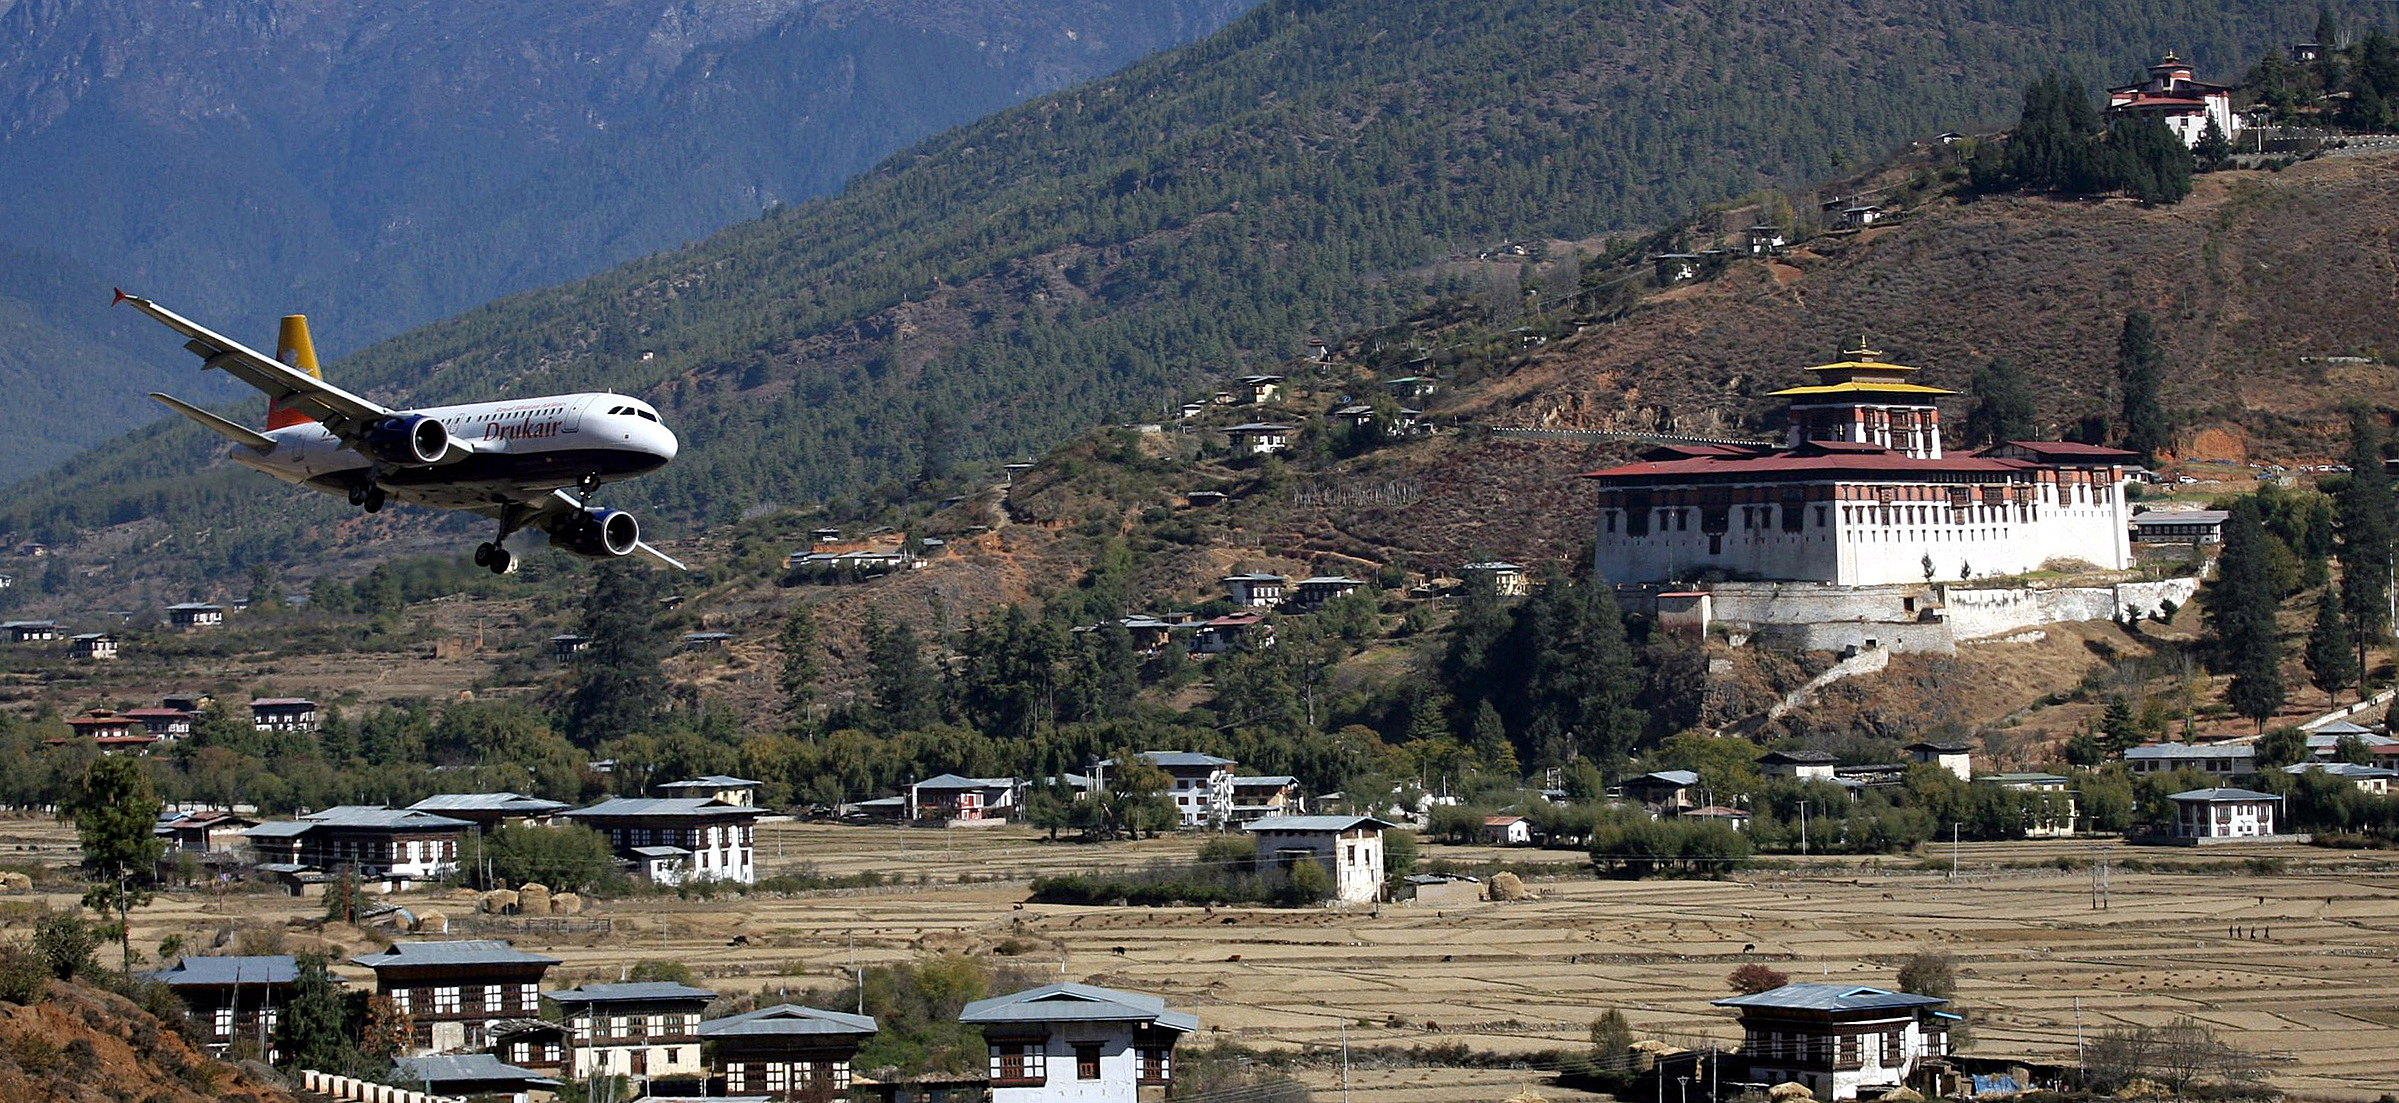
<point x="2301" y="963"/>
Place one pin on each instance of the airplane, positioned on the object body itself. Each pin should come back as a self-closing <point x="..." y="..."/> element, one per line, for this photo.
<point x="510" y="461"/>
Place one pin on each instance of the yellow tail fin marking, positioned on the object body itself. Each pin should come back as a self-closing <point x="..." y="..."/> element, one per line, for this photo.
<point x="294" y="349"/>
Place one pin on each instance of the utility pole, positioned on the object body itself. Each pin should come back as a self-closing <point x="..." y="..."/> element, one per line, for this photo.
<point x="1953" y="851"/>
<point x="1345" y="1061"/>
<point x="1803" y="827"/>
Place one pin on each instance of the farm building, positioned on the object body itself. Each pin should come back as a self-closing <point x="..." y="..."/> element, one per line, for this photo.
<point x="193" y="615"/>
<point x="1842" y="1041"/>
<point x="791" y="1054"/>
<point x="647" y="1030"/>
<point x="1079" y="1043"/>
<point x="452" y="990"/>
<point x="1349" y="847"/>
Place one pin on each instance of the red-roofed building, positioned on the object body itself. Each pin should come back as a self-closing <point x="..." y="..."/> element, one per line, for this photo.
<point x="2186" y="106"/>
<point x="1859" y="495"/>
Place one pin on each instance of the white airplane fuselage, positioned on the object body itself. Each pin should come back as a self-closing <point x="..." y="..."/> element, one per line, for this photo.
<point x="512" y="449"/>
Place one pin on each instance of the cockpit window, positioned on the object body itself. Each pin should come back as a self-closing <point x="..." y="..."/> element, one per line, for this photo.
<point x="646" y="415"/>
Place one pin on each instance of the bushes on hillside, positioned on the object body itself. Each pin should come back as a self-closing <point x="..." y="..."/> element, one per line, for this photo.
<point x="1162" y="884"/>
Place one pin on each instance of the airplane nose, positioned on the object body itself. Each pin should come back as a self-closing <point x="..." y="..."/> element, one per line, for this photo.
<point x="662" y="443"/>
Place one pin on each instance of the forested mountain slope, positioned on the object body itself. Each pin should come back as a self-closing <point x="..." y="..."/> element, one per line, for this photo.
<point x="1100" y="250"/>
<point x="378" y="165"/>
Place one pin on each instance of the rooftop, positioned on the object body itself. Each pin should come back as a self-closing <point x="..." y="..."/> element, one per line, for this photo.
<point x="787" y="1019"/>
<point x="2196" y="796"/>
<point x="487" y="802"/>
<point x="1314" y="823"/>
<point x="204" y="972"/>
<point x="2187" y="750"/>
<point x="1831" y="997"/>
<point x="635" y="992"/>
<point x="469" y="951"/>
<point x="714" y="781"/>
<point x="459" y="1068"/>
<point x="663" y="807"/>
<point x="378" y="816"/>
<point x="1070" y="1002"/>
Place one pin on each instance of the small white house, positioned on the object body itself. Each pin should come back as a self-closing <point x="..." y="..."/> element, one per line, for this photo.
<point x="2201" y="815"/>
<point x="1260" y="438"/>
<point x="1957" y="758"/>
<point x="1350" y="847"/>
<point x="1077" y="1043"/>
<point x="2220" y="759"/>
<point x="2053" y="817"/>
<point x="192" y="615"/>
<point x="1842" y="1041"/>
<point x="1797" y="764"/>
<point x="1255" y="591"/>
<point x="1255" y="389"/>
<point x="1508" y="830"/>
<point x="95" y="646"/>
<point x="2371" y="779"/>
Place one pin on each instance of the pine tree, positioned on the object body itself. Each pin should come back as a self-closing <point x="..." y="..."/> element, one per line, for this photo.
<point x="114" y="812"/>
<point x="619" y="682"/>
<point x="798" y="677"/>
<point x="2331" y="653"/>
<point x="906" y="694"/>
<point x="2363" y="516"/>
<point x="313" y="1030"/>
<point x="2003" y="405"/>
<point x="2242" y="607"/>
<point x="2141" y="374"/>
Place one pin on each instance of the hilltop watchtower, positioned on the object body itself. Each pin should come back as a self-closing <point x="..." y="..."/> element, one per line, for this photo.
<point x="1863" y="399"/>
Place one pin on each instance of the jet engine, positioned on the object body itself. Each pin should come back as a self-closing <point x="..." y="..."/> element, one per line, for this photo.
<point x="598" y="534"/>
<point x="411" y="440"/>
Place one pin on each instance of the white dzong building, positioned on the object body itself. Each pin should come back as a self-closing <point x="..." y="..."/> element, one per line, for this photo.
<point x="1860" y="494"/>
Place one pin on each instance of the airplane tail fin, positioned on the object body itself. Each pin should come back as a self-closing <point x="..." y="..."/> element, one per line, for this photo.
<point x="294" y="349"/>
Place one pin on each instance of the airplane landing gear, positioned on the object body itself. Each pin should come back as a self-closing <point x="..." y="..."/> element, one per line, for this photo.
<point x="495" y="557"/>
<point x="367" y="496"/>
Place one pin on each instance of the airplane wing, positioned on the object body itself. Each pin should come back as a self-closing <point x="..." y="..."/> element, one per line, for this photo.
<point x="340" y="411"/>
<point x="549" y="511"/>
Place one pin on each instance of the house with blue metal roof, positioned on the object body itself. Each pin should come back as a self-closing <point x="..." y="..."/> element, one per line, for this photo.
<point x="234" y="999"/>
<point x="1844" y="1041"/>
<point x="393" y="845"/>
<point x="452" y="991"/>
<point x="471" y="1074"/>
<point x="1079" y="1043"/>
<point x="714" y="835"/>
<point x="1349" y="847"/>
<point x="792" y="1054"/>
<point x="646" y="1030"/>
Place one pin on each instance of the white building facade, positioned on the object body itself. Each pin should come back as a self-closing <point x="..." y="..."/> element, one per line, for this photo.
<point x="1860" y="495"/>
<point x="1349" y="847"/>
<point x="1075" y="1043"/>
<point x="2185" y="105"/>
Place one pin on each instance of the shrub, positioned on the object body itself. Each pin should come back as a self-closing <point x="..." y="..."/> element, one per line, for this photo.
<point x="1753" y="978"/>
<point x="24" y="976"/>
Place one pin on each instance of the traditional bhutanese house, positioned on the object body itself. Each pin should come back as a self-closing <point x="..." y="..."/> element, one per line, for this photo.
<point x="93" y="646"/>
<point x="565" y="646"/>
<point x="1507" y="579"/>
<point x="1765" y="241"/>
<point x="715" y="835"/>
<point x="1666" y="792"/>
<point x="453" y="990"/>
<point x="718" y="787"/>
<point x="471" y="1075"/>
<point x="283" y="714"/>
<point x="2179" y="526"/>
<point x="647" y="1030"/>
<point x="1843" y="1041"/>
<point x="192" y="615"/>
<point x="1077" y="1042"/>
<point x="1260" y="591"/>
<point x="1349" y="847"/>
<point x="210" y="832"/>
<point x="1312" y="593"/>
<point x="1807" y="764"/>
<point x="1260" y="438"/>
<point x="953" y="798"/>
<point x="536" y="1044"/>
<point x="1259" y="796"/>
<point x="2369" y="779"/>
<point x="186" y="701"/>
<point x="2205" y="815"/>
<point x="1254" y="389"/>
<point x="2221" y="759"/>
<point x="1508" y="830"/>
<point x="1674" y="268"/>
<point x="2170" y="96"/>
<point x="2324" y="742"/>
<point x="788" y="1053"/>
<point x="29" y="631"/>
<point x="1859" y="494"/>
<point x="1861" y="216"/>
<point x="1232" y="632"/>
<point x="102" y="724"/>
<point x="396" y="845"/>
<point x="234" y="999"/>
<point x="490" y="811"/>
<point x="165" y="723"/>
<point x="1202" y="789"/>
<point x="1957" y="758"/>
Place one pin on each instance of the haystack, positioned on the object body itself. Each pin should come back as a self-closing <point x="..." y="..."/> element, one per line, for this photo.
<point x="565" y="903"/>
<point x="1790" y="1089"/>
<point x="13" y="881"/>
<point x="1903" y="1095"/>
<point x="1525" y="1095"/>
<point x="431" y="922"/>
<point x="533" y="898"/>
<point x="1508" y="886"/>
<point x="498" y="902"/>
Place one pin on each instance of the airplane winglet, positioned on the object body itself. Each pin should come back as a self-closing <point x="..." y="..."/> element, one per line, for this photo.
<point x="121" y="296"/>
<point x="238" y="434"/>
